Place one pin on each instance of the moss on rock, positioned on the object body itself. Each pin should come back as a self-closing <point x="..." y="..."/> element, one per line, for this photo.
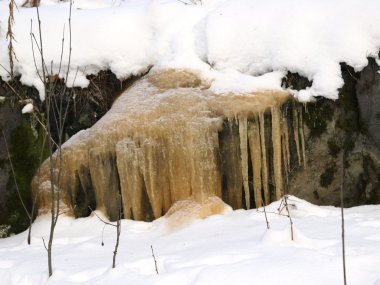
<point x="317" y="115"/>
<point x="26" y="151"/>
<point x="327" y="176"/>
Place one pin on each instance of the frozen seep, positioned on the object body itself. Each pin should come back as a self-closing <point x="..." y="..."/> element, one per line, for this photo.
<point x="169" y="138"/>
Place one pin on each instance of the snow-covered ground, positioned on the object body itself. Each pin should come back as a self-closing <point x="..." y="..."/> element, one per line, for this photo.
<point x="241" y="45"/>
<point x="234" y="248"/>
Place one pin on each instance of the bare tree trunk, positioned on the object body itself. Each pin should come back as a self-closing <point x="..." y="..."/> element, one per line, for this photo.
<point x="55" y="109"/>
<point x="48" y="127"/>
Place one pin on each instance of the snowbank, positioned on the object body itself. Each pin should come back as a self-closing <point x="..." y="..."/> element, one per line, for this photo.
<point x="242" y="45"/>
<point x="233" y="248"/>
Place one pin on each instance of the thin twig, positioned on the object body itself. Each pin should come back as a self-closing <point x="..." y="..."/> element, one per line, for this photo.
<point x="154" y="258"/>
<point x="342" y="220"/>
<point x="290" y="218"/>
<point x="6" y="70"/>
<point x="13" y="90"/>
<point x="43" y="240"/>
<point x="33" y="52"/>
<point x="105" y="222"/>
<point x="62" y="47"/>
<point x="265" y="213"/>
<point x="353" y="77"/>
<point x="183" y="2"/>
<point x="118" y="231"/>
<point x="274" y="213"/>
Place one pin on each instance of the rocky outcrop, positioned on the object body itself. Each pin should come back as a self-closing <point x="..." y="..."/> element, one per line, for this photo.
<point x="9" y="120"/>
<point x="168" y="140"/>
<point x="368" y="95"/>
<point x="21" y="141"/>
<point x="347" y="126"/>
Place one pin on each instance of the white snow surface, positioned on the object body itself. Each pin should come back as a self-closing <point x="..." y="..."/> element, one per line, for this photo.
<point x="28" y="108"/>
<point x="239" y="45"/>
<point x="234" y="248"/>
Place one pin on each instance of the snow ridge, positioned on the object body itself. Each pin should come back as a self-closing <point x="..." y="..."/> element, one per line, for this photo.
<point x="239" y="45"/>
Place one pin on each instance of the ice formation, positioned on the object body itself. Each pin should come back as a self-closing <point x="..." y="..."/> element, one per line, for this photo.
<point x="169" y="138"/>
<point x="184" y="212"/>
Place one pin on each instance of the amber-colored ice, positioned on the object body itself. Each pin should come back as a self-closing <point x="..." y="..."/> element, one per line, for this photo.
<point x="277" y="154"/>
<point x="169" y="138"/>
<point x="229" y="148"/>
<point x="257" y="165"/>
<point x="300" y="125"/>
<point x="285" y="145"/>
<point x="186" y="211"/>
<point x="296" y="134"/>
<point x="243" y="134"/>
<point x="264" y="168"/>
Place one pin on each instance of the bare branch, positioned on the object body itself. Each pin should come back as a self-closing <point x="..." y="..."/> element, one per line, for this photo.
<point x="274" y="213"/>
<point x="32" y="38"/>
<point x="118" y="231"/>
<point x="342" y="219"/>
<point x="105" y="222"/>
<point x="266" y="217"/>
<point x="13" y="90"/>
<point x="154" y="258"/>
<point x="290" y="218"/>
<point x="43" y="240"/>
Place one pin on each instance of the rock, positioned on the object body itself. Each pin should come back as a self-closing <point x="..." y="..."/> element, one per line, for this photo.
<point x="342" y="126"/>
<point x="11" y="124"/>
<point x="368" y="94"/>
<point x="171" y="139"/>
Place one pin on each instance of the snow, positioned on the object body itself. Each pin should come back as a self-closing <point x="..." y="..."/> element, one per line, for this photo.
<point x="28" y="108"/>
<point x="239" y="45"/>
<point x="233" y="248"/>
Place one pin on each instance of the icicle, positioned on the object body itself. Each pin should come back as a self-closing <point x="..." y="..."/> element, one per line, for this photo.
<point x="131" y="179"/>
<point x="283" y="152"/>
<point x="276" y="141"/>
<point x="179" y="167"/>
<point x="302" y="139"/>
<point x="255" y="147"/>
<point x="105" y="180"/>
<point x="82" y="203"/>
<point x="286" y="132"/>
<point x="264" y="166"/>
<point x="204" y="150"/>
<point x="229" y="146"/>
<point x="153" y="169"/>
<point x="244" y="158"/>
<point x="296" y="132"/>
<point x="285" y="145"/>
